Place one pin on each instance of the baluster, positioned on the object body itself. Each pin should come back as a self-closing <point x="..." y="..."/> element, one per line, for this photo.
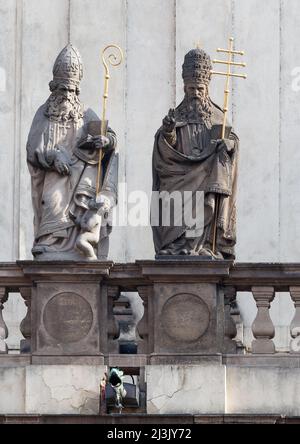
<point x="237" y="319"/>
<point x="113" y="331"/>
<point x="3" y="327"/>
<point x="25" y="326"/>
<point x="230" y="330"/>
<point x="262" y="328"/>
<point x="142" y="327"/>
<point x="295" y="324"/>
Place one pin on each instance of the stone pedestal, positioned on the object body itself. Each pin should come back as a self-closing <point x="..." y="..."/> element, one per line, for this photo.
<point x="186" y="310"/>
<point x="68" y="312"/>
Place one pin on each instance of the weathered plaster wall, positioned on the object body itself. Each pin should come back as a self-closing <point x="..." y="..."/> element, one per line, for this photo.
<point x="50" y="389"/>
<point x="171" y="389"/>
<point x="184" y="389"/>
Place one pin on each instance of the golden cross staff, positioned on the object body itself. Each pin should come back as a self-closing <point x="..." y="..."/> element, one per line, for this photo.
<point x="230" y="62"/>
<point x="113" y="60"/>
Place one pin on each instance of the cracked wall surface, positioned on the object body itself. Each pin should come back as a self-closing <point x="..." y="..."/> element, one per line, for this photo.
<point x="219" y="389"/>
<point x="171" y="389"/>
<point x="63" y="389"/>
<point x="54" y="389"/>
<point x="185" y="389"/>
<point x="12" y="390"/>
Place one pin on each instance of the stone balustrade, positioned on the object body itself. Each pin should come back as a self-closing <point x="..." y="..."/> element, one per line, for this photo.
<point x="187" y="308"/>
<point x="3" y="327"/>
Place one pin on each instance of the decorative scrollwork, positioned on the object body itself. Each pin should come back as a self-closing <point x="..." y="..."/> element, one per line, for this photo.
<point x="114" y="58"/>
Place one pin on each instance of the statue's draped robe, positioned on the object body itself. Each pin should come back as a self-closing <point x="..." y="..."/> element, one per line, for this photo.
<point x="58" y="200"/>
<point x="194" y="164"/>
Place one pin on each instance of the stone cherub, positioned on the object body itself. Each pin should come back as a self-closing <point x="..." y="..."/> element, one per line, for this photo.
<point x="62" y="156"/>
<point x="90" y="226"/>
<point x="189" y="156"/>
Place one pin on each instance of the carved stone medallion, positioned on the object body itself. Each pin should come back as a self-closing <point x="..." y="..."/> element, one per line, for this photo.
<point x="185" y="317"/>
<point x="68" y="317"/>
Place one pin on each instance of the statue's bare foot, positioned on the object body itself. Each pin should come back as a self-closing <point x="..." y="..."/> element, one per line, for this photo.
<point x="91" y="258"/>
<point x="85" y="248"/>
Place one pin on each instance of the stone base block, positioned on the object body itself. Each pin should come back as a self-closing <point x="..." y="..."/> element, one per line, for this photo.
<point x="126" y="361"/>
<point x="185" y="389"/>
<point x="263" y="346"/>
<point x="68" y="360"/>
<point x="25" y="346"/>
<point x="184" y="359"/>
<point x="12" y="361"/>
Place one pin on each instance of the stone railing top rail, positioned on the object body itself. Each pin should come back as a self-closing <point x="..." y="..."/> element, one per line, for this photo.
<point x="242" y="276"/>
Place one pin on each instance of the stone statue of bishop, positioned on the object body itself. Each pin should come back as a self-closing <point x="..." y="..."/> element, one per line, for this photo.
<point x="189" y="156"/>
<point x="63" y="155"/>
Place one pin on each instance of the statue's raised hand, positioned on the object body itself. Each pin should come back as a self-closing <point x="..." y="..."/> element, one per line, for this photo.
<point x="169" y="122"/>
<point x="101" y="142"/>
<point x="225" y="144"/>
<point x="223" y="148"/>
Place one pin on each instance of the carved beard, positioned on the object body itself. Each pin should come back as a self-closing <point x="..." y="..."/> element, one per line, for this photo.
<point x="61" y="109"/>
<point x="199" y="107"/>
